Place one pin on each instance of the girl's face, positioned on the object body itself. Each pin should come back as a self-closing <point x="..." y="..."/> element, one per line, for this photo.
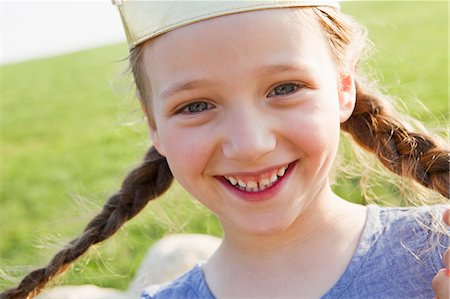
<point x="252" y="99"/>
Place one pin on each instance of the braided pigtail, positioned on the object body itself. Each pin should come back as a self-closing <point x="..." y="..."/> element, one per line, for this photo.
<point x="403" y="152"/>
<point x="148" y="181"/>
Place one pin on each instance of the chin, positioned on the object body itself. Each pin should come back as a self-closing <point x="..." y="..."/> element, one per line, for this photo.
<point x="265" y="226"/>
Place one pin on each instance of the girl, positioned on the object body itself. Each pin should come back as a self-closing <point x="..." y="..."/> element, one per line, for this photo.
<point x="245" y="103"/>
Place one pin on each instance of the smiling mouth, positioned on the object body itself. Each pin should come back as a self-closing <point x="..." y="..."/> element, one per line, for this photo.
<point x="258" y="183"/>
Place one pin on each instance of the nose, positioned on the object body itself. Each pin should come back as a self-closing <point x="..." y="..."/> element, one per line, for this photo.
<point x="248" y="136"/>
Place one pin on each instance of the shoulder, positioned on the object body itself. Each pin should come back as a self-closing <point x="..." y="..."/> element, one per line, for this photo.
<point x="189" y="286"/>
<point x="413" y="233"/>
<point x="403" y="251"/>
<point x="386" y="222"/>
<point x="399" y="215"/>
<point x="418" y="229"/>
<point x="399" y="253"/>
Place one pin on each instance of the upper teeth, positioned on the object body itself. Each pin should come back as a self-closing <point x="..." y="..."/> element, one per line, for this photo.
<point x="281" y="171"/>
<point x="263" y="183"/>
<point x="232" y="180"/>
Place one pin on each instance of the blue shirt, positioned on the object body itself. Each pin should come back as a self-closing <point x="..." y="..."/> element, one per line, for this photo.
<point x="397" y="257"/>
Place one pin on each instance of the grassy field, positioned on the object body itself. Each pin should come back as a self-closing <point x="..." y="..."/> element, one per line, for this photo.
<point x="70" y="130"/>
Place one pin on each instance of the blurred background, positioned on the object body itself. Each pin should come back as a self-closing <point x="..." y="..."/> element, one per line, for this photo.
<point x="36" y="29"/>
<point x="70" y="127"/>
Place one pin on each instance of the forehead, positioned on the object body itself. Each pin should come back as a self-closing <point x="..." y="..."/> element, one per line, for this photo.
<point x="264" y="18"/>
<point x="235" y="43"/>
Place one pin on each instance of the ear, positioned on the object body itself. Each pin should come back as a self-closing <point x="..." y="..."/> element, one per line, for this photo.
<point x="153" y="130"/>
<point x="347" y="96"/>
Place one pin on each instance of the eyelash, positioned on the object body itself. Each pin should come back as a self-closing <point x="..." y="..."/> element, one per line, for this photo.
<point x="185" y="109"/>
<point x="296" y="88"/>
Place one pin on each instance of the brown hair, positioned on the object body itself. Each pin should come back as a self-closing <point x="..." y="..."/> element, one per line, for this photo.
<point x="146" y="182"/>
<point x="372" y="125"/>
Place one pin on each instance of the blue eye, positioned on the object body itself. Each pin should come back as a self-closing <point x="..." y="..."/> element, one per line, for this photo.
<point x="284" y="89"/>
<point x="196" y="107"/>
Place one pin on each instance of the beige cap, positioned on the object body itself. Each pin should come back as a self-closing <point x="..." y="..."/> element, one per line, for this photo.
<point x="143" y="20"/>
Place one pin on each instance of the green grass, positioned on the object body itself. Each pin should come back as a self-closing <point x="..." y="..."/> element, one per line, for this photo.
<point x="411" y="39"/>
<point x="66" y="142"/>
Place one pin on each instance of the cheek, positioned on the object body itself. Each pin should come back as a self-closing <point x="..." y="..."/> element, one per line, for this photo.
<point x="315" y="129"/>
<point x="187" y="152"/>
<point x="315" y="135"/>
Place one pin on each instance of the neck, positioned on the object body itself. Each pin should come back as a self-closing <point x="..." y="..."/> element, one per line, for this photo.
<point x="318" y="217"/>
<point x="325" y="234"/>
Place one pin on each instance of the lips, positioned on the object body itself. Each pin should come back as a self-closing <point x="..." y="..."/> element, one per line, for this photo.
<point x="257" y="183"/>
<point x="260" y="186"/>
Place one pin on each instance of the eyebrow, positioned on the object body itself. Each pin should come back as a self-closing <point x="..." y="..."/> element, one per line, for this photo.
<point x="280" y="68"/>
<point x="182" y="86"/>
<point x="265" y="69"/>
